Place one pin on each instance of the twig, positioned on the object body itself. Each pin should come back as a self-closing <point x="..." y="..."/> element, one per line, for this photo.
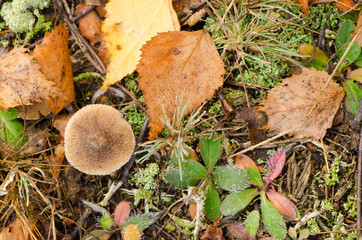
<point x="82" y="14"/>
<point x="125" y="90"/>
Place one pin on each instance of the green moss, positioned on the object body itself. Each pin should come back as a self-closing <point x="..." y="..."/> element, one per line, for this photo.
<point x="146" y="177"/>
<point x="22" y="16"/>
<point x="136" y="118"/>
<point x="351" y="206"/>
<point x="332" y="177"/>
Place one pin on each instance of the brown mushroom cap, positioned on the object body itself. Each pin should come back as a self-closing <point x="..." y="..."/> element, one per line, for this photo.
<point x="98" y="140"/>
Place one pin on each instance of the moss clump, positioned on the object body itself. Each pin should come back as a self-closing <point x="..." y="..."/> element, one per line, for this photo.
<point x="22" y="16"/>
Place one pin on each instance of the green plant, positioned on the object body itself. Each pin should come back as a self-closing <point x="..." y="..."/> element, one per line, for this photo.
<point x="12" y="131"/>
<point x="274" y="206"/>
<point x="188" y="172"/>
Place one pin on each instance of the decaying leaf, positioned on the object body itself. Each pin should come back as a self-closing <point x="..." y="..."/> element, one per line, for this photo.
<point x="346" y="5"/>
<point x="182" y="8"/>
<point x="282" y="204"/>
<point x="213" y="232"/>
<point x="89" y="25"/>
<point x="53" y="57"/>
<point x="15" y="231"/>
<point x="129" y="24"/>
<point x="176" y="64"/>
<point x="288" y="104"/>
<point x="21" y="81"/>
<point x="56" y="161"/>
<point x="32" y="112"/>
<point x="255" y="121"/>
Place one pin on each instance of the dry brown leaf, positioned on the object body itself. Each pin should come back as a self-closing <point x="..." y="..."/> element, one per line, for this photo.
<point x="21" y="81"/>
<point x="182" y="8"/>
<point x="129" y="24"/>
<point x="60" y="122"/>
<point x="213" y="232"/>
<point x="289" y="103"/>
<point x="33" y="112"/>
<point x="56" y="161"/>
<point x="346" y="5"/>
<point x="175" y="64"/>
<point x="15" y="231"/>
<point x="53" y="57"/>
<point x="89" y="25"/>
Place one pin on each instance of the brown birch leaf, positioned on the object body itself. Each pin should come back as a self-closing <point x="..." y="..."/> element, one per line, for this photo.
<point x="182" y="8"/>
<point x="21" y="81"/>
<point x="175" y="64"/>
<point x="289" y="103"/>
<point x="53" y="57"/>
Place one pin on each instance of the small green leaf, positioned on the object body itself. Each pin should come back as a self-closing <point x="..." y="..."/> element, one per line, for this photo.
<point x="173" y="176"/>
<point x="255" y="177"/>
<point x="97" y="234"/>
<point x="358" y="61"/>
<point x="354" y="94"/>
<point x="272" y="219"/>
<point x="230" y="178"/>
<point x="343" y="35"/>
<point x="237" y="201"/>
<point x="319" y="65"/>
<point x="107" y="222"/>
<point x="210" y="151"/>
<point x="252" y="223"/>
<point x="212" y="203"/>
<point x="184" y="223"/>
<point x="142" y="221"/>
<point x="14" y="130"/>
<point x="195" y="169"/>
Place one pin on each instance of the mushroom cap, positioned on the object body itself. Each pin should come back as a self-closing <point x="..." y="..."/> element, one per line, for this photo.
<point x="98" y="140"/>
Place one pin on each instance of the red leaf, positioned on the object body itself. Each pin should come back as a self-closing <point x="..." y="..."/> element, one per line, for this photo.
<point x="281" y="203"/>
<point x="237" y="230"/>
<point x="121" y="213"/>
<point x="243" y="162"/>
<point x="213" y="232"/>
<point x="275" y="166"/>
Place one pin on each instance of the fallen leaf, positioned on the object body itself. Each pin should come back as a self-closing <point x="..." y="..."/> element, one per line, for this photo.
<point x="304" y="7"/>
<point x="21" y="81"/>
<point x="213" y="232"/>
<point x="129" y="24"/>
<point x="89" y="25"/>
<point x="193" y="209"/>
<point x="182" y="8"/>
<point x="255" y="121"/>
<point x="176" y="64"/>
<point x="53" y="57"/>
<point x="56" y="161"/>
<point x="33" y="112"/>
<point x="290" y="103"/>
<point x="346" y="5"/>
<point x="60" y="122"/>
<point x="15" y="231"/>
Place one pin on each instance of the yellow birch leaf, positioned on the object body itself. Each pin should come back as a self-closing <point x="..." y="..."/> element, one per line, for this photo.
<point x="129" y="24"/>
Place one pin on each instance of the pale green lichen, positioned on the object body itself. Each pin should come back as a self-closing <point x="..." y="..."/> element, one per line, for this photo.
<point x="146" y="177"/>
<point x="22" y="16"/>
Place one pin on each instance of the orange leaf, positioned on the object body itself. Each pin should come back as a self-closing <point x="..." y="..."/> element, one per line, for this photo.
<point x="289" y="103"/>
<point x="89" y="25"/>
<point x="132" y="232"/>
<point x="304" y="7"/>
<point x="176" y="63"/>
<point x="346" y="5"/>
<point x="53" y="57"/>
<point x="15" y="231"/>
<point x="21" y="81"/>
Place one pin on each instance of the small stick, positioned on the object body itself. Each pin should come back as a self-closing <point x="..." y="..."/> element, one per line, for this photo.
<point x="132" y="96"/>
<point x="82" y="14"/>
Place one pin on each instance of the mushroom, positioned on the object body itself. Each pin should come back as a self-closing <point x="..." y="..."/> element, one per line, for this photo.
<point x="98" y="140"/>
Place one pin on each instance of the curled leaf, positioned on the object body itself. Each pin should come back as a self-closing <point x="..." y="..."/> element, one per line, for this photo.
<point x="282" y="204"/>
<point x="275" y="165"/>
<point x="121" y="213"/>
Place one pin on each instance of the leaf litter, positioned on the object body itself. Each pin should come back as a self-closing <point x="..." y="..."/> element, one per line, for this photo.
<point x="174" y="65"/>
